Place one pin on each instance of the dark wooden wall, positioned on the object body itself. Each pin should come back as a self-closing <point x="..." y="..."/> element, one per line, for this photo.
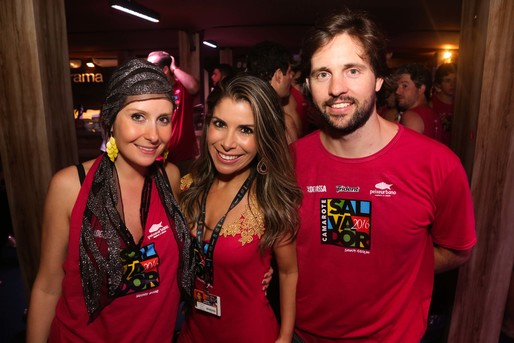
<point x="485" y="141"/>
<point x="37" y="130"/>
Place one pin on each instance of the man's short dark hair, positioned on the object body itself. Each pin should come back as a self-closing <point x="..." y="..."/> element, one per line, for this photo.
<point x="226" y="70"/>
<point x="444" y="70"/>
<point x="265" y="58"/>
<point x="356" y="24"/>
<point x="419" y="74"/>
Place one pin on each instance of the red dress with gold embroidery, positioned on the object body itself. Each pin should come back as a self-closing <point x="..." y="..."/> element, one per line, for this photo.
<point x="246" y="315"/>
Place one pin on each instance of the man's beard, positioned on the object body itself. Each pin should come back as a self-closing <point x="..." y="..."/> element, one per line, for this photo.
<point x="358" y="118"/>
<point x="402" y="106"/>
<point x="405" y="103"/>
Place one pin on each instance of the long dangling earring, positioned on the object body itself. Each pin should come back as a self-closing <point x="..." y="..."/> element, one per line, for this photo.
<point x="262" y="168"/>
<point x="164" y="154"/>
<point x="112" y="149"/>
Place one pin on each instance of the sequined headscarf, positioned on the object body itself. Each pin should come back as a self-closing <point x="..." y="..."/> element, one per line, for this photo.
<point x="103" y="233"/>
<point x="136" y="77"/>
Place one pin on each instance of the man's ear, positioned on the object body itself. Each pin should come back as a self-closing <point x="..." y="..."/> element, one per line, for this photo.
<point x="276" y="79"/>
<point x="278" y="76"/>
<point x="421" y="90"/>
<point x="378" y="83"/>
<point x="166" y="70"/>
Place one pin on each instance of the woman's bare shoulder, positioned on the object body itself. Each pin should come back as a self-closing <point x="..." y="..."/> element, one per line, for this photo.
<point x="65" y="184"/>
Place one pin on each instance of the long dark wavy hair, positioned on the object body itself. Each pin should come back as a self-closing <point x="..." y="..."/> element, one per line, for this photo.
<point x="277" y="192"/>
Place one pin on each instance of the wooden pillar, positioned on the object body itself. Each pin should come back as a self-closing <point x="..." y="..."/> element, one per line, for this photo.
<point x="189" y="52"/>
<point x="190" y="58"/>
<point x="36" y="115"/>
<point x="486" y="104"/>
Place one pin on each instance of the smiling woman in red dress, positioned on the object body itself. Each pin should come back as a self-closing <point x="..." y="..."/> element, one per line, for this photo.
<point x="241" y="202"/>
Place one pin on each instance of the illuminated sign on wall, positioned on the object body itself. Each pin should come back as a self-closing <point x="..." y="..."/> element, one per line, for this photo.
<point x="88" y="86"/>
<point x="87" y="78"/>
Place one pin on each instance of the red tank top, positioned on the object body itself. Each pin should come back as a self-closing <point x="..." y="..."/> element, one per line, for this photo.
<point x="143" y="313"/>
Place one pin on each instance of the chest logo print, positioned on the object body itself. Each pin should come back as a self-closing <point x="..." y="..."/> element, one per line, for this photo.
<point x="346" y="223"/>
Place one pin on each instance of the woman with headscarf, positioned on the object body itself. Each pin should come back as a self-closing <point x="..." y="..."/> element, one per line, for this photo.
<point x="115" y="251"/>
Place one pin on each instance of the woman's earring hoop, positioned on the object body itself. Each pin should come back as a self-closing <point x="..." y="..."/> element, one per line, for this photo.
<point x="262" y="168"/>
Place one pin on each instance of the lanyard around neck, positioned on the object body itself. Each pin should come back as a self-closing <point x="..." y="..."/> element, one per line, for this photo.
<point x="200" y="227"/>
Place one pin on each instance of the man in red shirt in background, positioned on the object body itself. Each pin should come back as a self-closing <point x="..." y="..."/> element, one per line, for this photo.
<point x="443" y="97"/>
<point x="412" y="94"/>
<point x="182" y="147"/>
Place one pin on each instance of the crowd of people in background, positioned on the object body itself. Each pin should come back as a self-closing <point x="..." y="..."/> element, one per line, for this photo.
<point x="418" y="96"/>
<point x="421" y="99"/>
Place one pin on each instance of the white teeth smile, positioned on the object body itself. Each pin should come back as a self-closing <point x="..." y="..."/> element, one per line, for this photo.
<point x="147" y="149"/>
<point x="340" y="105"/>
<point x="227" y="157"/>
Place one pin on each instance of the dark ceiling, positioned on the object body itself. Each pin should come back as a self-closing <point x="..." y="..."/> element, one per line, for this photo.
<point x="418" y="27"/>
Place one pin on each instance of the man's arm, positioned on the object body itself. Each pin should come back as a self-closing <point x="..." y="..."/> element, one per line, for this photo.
<point x="292" y="118"/>
<point x="446" y="259"/>
<point x="190" y="83"/>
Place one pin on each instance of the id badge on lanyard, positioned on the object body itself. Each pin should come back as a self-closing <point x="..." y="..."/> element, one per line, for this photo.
<point x="204" y="300"/>
<point x="204" y="253"/>
<point x="207" y="302"/>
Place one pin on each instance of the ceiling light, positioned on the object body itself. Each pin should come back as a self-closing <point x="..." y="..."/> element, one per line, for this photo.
<point x="131" y="7"/>
<point x="210" y="44"/>
<point x="75" y="63"/>
<point x="105" y="62"/>
<point x="90" y="64"/>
